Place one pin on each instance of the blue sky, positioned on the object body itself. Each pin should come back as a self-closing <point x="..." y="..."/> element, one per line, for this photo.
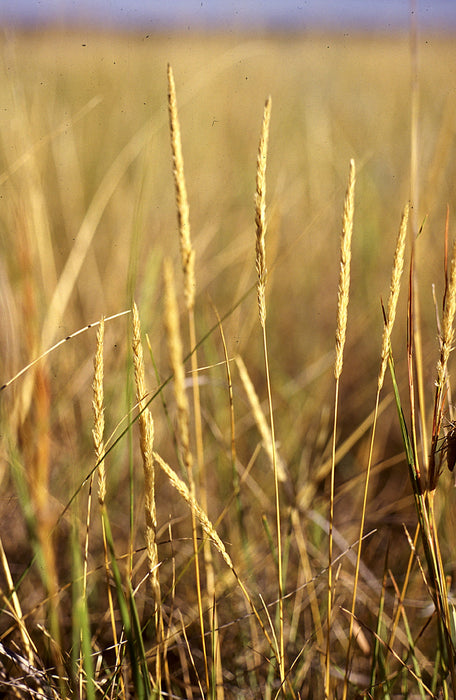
<point x="382" y="14"/>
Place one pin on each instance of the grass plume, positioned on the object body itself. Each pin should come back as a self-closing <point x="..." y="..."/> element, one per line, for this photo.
<point x="260" y="212"/>
<point x="341" y="330"/>
<point x="187" y="252"/>
<point x="260" y="263"/>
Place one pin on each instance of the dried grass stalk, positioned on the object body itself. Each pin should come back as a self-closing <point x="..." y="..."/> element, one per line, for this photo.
<point x="341" y="329"/>
<point x="448" y="322"/>
<point x="146" y="433"/>
<point x="260" y="419"/>
<point x="344" y="277"/>
<point x="98" y="413"/>
<point x="183" y="421"/>
<point x="14" y="605"/>
<point x="260" y="211"/>
<point x="396" y="275"/>
<point x="176" y="354"/>
<point x="187" y="252"/>
<point x="208" y="528"/>
<point x="182" y="488"/>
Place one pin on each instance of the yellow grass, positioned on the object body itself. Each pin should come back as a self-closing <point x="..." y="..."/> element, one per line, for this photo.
<point x="88" y="215"/>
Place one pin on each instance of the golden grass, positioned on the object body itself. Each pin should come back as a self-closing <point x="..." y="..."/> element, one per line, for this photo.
<point x="344" y="277"/>
<point x="395" y="286"/>
<point x="188" y="268"/>
<point x="260" y="418"/>
<point x="260" y="264"/>
<point x="187" y="252"/>
<point x="98" y="413"/>
<point x="341" y="331"/>
<point x="88" y="219"/>
<point x="146" y="431"/>
<point x="260" y="212"/>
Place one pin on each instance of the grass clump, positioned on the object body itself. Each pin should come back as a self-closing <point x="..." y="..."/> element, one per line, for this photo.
<point x="246" y="544"/>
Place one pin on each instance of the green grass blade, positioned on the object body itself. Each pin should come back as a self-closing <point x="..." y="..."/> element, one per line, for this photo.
<point x="81" y="624"/>
<point x="140" y="678"/>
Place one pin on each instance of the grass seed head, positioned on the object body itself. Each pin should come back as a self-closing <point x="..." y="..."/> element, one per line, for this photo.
<point x="396" y="275"/>
<point x="344" y="275"/>
<point x="98" y="413"/>
<point x="187" y="252"/>
<point x="448" y="322"/>
<point x="260" y="211"/>
<point x="146" y="438"/>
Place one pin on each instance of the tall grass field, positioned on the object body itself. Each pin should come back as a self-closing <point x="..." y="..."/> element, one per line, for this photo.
<point x="227" y="299"/>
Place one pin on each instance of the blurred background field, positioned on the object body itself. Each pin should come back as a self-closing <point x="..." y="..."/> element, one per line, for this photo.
<point x="87" y="214"/>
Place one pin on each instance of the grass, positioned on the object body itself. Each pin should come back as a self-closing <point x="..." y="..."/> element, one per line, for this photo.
<point x="273" y="513"/>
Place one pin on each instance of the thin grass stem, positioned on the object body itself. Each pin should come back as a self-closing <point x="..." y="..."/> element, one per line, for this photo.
<point x="341" y="330"/>
<point x="260" y="261"/>
<point x="396" y="276"/>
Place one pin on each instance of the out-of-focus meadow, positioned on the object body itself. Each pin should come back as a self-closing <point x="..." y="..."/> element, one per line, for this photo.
<point x="87" y="215"/>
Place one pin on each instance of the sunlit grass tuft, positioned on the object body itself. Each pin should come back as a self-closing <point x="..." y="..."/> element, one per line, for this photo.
<point x="245" y="544"/>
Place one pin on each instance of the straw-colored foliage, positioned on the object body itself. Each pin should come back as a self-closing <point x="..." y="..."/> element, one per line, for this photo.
<point x="285" y="530"/>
